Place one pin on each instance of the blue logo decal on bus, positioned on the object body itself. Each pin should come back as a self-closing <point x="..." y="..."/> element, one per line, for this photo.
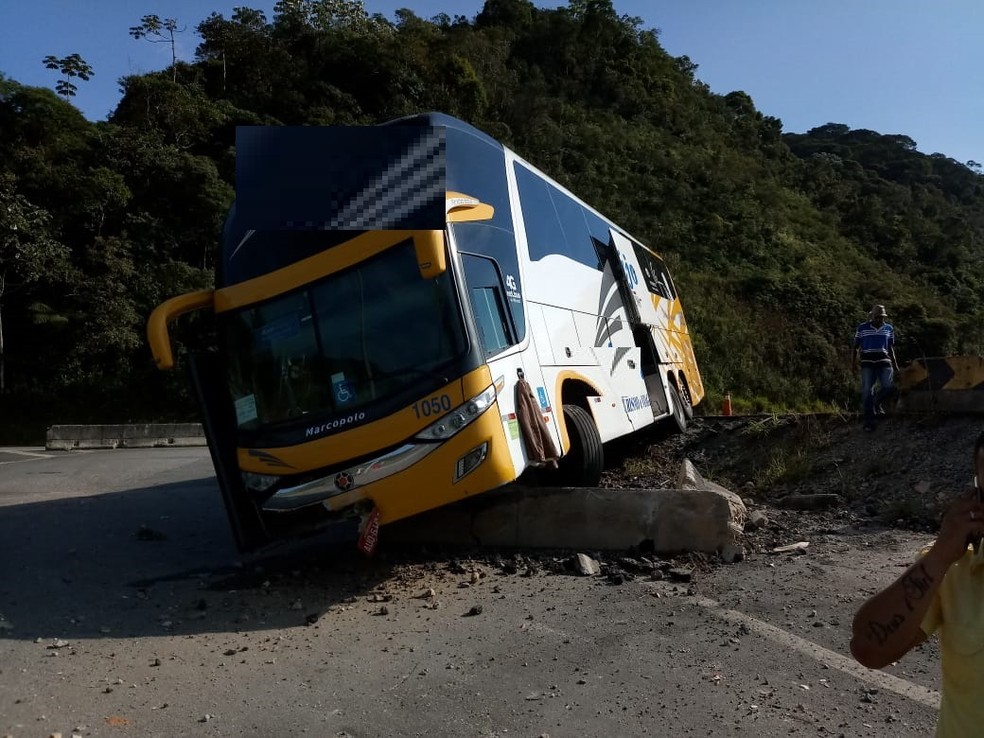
<point x="631" y="404"/>
<point x="630" y="273"/>
<point x="542" y="394"/>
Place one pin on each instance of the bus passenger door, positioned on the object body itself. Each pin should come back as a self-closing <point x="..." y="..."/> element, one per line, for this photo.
<point x="644" y="318"/>
<point x="219" y="423"/>
<point x="490" y="293"/>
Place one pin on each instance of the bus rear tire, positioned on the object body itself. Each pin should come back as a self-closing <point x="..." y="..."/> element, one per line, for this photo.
<point x="688" y="402"/>
<point x="681" y="409"/>
<point x="585" y="459"/>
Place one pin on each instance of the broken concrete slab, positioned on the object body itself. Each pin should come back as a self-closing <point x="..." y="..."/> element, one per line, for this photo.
<point x="689" y="477"/>
<point x="731" y="553"/>
<point x="667" y="520"/>
<point x="681" y="573"/>
<point x="586" y="566"/>
<point x="757" y="519"/>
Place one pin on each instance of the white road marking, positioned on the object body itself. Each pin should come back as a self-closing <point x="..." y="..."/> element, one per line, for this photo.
<point x="32" y="455"/>
<point x="916" y="693"/>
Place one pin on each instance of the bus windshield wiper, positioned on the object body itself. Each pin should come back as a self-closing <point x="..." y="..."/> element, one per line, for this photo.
<point x="416" y="371"/>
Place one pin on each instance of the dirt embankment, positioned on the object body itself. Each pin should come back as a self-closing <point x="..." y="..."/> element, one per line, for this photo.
<point x="902" y="475"/>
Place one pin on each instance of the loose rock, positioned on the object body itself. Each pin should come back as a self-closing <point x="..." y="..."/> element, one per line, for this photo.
<point x="586" y="566"/>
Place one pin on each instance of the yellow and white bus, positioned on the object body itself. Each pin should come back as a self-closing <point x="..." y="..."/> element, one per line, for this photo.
<point x="410" y="314"/>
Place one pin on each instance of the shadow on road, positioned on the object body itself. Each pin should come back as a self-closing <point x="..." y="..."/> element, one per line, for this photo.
<point x="158" y="561"/>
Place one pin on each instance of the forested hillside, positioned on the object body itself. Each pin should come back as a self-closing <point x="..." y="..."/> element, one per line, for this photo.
<point x="779" y="243"/>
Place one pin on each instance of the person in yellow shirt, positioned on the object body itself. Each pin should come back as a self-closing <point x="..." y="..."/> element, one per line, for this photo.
<point x="942" y="592"/>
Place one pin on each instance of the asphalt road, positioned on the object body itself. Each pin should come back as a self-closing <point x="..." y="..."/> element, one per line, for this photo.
<point x="126" y="610"/>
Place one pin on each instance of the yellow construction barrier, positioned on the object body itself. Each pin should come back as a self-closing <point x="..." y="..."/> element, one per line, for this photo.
<point x="945" y="384"/>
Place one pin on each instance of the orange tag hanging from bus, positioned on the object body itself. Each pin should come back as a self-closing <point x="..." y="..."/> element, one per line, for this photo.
<point x="369" y="536"/>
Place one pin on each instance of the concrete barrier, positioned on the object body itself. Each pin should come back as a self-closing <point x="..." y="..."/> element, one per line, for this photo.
<point x="134" y="435"/>
<point x="667" y="520"/>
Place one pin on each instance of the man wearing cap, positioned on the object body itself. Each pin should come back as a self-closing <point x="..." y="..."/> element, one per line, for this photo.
<point x="874" y="347"/>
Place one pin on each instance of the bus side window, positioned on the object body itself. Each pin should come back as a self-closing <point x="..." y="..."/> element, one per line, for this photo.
<point x="485" y="290"/>
<point x="558" y="224"/>
<point x="544" y="233"/>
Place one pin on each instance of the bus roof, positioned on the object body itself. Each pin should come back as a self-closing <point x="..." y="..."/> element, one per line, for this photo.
<point x="443" y="120"/>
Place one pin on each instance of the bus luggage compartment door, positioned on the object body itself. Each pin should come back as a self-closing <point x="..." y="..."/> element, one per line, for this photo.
<point x="657" y="395"/>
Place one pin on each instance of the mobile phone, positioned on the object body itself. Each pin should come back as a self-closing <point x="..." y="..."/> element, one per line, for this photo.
<point x="976" y="540"/>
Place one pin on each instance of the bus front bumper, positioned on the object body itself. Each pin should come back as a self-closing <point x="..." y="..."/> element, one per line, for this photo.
<point x="412" y="478"/>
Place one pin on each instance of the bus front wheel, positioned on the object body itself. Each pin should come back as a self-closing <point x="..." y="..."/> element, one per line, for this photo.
<point x="583" y="463"/>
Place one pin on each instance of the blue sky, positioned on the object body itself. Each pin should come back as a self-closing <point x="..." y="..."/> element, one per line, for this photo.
<point x="914" y="67"/>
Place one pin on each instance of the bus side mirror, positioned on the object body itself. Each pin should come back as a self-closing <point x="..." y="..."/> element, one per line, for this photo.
<point x="157" y="334"/>
<point x="429" y="248"/>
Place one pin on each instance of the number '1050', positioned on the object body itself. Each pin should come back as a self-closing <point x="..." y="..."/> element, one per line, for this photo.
<point x="432" y="406"/>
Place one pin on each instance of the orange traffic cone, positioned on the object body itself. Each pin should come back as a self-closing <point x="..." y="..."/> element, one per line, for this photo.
<point x="726" y="404"/>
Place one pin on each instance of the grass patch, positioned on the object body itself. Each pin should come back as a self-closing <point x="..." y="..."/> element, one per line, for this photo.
<point x="639" y="466"/>
<point x="793" y="457"/>
<point x="785" y="466"/>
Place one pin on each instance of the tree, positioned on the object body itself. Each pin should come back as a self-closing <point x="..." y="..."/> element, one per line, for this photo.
<point x="515" y="14"/>
<point x="27" y="252"/>
<point x="70" y="66"/>
<point x="222" y="39"/>
<point x="164" y="30"/>
<point x="323" y="15"/>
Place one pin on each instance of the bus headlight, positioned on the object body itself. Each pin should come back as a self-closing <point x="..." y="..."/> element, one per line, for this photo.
<point x="458" y="418"/>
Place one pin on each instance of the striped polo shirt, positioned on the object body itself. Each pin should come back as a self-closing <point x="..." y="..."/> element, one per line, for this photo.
<point x="874" y="343"/>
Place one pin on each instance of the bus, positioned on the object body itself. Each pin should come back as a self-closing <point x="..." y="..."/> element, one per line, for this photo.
<point x="410" y="314"/>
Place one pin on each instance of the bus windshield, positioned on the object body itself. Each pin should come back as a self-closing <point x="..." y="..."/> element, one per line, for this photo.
<point x="369" y="333"/>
